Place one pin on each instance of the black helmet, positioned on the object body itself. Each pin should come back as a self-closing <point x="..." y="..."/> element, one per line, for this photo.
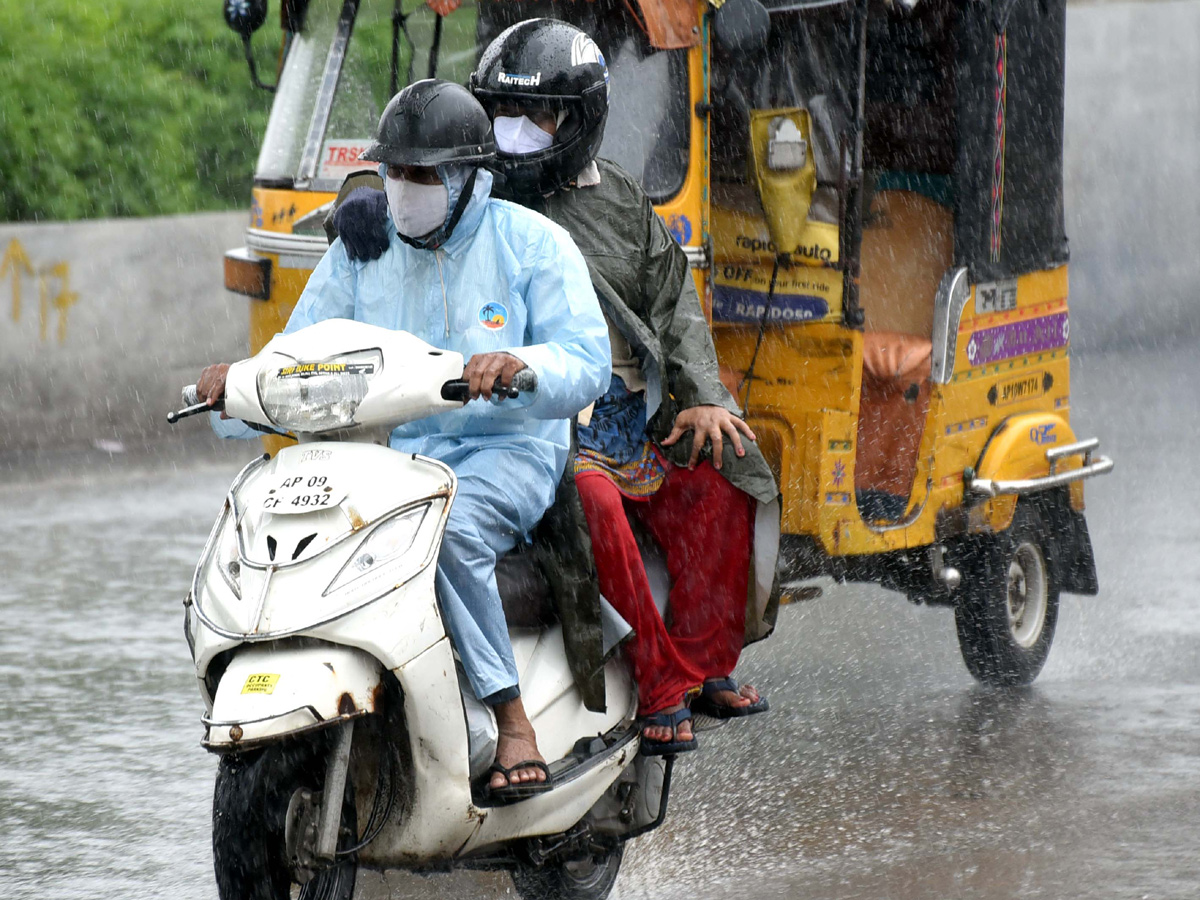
<point x="432" y="122"/>
<point x="546" y="64"/>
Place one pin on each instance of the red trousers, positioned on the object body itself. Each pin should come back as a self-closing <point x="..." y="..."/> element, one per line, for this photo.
<point x="704" y="525"/>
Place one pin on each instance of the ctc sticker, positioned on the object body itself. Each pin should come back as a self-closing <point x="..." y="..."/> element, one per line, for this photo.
<point x="260" y="684"/>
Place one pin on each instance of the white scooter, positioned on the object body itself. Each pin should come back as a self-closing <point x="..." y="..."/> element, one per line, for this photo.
<point x="346" y="731"/>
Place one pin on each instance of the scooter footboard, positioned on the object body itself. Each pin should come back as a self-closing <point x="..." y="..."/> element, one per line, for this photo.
<point x="274" y="691"/>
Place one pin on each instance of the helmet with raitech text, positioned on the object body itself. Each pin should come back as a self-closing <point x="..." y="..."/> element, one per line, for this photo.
<point x="545" y="64"/>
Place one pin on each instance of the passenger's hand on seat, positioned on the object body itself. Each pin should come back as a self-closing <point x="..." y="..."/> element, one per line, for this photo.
<point x="484" y="368"/>
<point x="709" y="423"/>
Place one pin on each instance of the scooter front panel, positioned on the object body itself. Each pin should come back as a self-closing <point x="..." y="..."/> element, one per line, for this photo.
<point x="373" y="480"/>
<point x="279" y="574"/>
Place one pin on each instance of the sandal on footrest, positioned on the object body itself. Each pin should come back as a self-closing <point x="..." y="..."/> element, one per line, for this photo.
<point x="665" y="720"/>
<point x="705" y="705"/>
<point x="511" y="793"/>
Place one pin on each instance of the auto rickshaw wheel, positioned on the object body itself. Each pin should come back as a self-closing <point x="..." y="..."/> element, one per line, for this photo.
<point x="1008" y="606"/>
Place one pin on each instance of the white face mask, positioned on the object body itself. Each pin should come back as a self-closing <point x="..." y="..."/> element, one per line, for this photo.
<point x="519" y="135"/>
<point x="417" y="209"/>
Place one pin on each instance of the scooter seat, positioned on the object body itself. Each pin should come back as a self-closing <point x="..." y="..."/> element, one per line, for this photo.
<point x="524" y="592"/>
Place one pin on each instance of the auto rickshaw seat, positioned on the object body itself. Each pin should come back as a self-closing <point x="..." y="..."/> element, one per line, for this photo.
<point x="908" y="244"/>
<point x="899" y="358"/>
<point x="895" y="400"/>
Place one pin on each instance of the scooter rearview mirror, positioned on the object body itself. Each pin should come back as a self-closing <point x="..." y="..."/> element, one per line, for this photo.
<point x="245" y="16"/>
<point x="742" y="26"/>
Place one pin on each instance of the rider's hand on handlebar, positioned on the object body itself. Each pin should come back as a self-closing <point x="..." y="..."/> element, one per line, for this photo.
<point x="210" y="386"/>
<point x="484" y="368"/>
<point x="709" y="423"/>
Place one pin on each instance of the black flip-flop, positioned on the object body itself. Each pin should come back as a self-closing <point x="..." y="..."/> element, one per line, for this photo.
<point x="512" y="793"/>
<point x="704" y="705"/>
<point x="665" y="720"/>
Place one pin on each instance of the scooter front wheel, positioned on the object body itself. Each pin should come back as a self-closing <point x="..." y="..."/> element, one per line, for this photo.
<point x="250" y="807"/>
<point x="582" y="879"/>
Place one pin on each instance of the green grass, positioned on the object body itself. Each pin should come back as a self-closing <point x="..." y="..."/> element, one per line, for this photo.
<point x="127" y="108"/>
<point x="145" y="107"/>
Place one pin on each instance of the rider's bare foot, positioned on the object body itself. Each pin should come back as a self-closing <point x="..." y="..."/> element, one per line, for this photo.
<point x="744" y="696"/>
<point x="664" y="734"/>
<point x="516" y="743"/>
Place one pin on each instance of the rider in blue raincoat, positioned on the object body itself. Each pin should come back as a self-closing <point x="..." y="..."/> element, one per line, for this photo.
<point x="506" y="288"/>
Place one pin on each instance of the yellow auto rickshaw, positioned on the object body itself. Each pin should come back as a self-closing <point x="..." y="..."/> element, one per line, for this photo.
<point x="871" y="197"/>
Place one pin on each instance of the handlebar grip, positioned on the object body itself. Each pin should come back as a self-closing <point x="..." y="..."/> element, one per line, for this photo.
<point x="525" y="381"/>
<point x="190" y="396"/>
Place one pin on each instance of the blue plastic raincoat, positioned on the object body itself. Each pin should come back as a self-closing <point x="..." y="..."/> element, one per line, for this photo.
<point x="510" y="280"/>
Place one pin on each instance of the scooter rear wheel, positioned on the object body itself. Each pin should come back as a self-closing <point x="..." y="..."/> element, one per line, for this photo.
<point x="250" y="804"/>
<point x="588" y="879"/>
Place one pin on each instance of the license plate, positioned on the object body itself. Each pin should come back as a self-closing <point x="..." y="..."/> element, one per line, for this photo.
<point x="301" y="494"/>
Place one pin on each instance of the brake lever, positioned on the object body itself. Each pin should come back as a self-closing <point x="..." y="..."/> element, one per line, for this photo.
<point x="193" y="406"/>
<point x="173" y="417"/>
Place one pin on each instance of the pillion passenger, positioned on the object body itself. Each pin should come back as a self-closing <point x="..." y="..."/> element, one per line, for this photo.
<point x="710" y="502"/>
<point x="507" y="289"/>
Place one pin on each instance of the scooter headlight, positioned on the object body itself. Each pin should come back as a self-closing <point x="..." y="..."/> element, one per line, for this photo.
<point x="221" y="558"/>
<point x="390" y="540"/>
<point x="228" y="560"/>
<point x="311" y="397"/>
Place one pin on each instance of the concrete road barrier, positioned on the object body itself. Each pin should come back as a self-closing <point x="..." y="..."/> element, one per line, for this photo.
<point x="101" y="323"/>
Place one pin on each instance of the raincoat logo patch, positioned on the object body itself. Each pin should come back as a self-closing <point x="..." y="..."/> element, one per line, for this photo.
<point x="493" y="316"/>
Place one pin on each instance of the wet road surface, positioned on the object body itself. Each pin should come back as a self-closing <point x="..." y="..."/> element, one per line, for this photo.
<point x="883" y="770"/>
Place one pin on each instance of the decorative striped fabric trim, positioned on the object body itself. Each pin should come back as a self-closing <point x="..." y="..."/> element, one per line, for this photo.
<point x="998" y="150"/>
<point x="637" y="480"/>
